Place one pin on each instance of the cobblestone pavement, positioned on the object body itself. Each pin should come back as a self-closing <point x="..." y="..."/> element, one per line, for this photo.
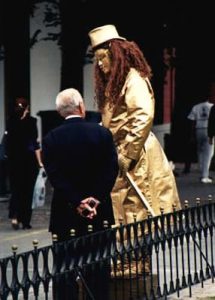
<point x="198" y="292"/>
<point x="189" y="188"/>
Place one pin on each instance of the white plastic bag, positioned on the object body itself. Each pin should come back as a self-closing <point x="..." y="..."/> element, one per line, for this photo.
<point x="39" y="193"/>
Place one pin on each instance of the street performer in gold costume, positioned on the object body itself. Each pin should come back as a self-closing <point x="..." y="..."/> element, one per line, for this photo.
<point x="125" y="98"/>
<point x="126" y="101"/>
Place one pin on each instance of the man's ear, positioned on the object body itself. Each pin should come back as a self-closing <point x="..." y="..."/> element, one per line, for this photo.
<point x="82" y="110"/>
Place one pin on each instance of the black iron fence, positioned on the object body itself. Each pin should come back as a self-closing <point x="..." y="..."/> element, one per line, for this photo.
<point x="144" y="260"/>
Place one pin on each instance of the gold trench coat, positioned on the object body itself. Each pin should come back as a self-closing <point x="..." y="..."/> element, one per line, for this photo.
<point x="131" y="123"/>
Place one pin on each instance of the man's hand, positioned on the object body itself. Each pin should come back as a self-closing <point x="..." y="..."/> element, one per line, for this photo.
<point x="87" y="207"/>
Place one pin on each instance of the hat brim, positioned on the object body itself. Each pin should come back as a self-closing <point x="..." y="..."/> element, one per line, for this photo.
<point x="106" y="42"/>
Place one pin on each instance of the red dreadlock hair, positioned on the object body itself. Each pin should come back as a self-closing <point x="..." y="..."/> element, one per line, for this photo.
<point x="124" y="55"/>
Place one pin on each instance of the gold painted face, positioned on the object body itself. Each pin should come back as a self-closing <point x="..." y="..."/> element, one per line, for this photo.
<point x="103" y="59"/>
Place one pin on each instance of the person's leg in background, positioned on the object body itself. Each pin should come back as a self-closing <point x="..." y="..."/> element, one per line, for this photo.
<point x="207" y="154"/>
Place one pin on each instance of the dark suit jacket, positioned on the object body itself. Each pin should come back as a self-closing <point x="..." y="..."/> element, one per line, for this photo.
<point x="81" y="161"/>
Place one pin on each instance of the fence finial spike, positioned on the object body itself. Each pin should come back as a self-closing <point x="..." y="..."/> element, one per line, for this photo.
<point x="54" y="238"/>
<point x="186" y="203"/>
<point x="105" y="224"/>
<point x="14" y="249"/>
<point x="121" y="221"/>
<point x="210" y="197"/>
<point x="72" y="232"/>
<point x="174" y="207"/>
<point x="162" y="210"/>
<point x="198" y="200"/>
<point x="35" y="243"/>
<point x="90" y="228"/>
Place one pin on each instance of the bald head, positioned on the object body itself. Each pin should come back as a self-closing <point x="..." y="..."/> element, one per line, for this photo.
<point x="70" y="102"/>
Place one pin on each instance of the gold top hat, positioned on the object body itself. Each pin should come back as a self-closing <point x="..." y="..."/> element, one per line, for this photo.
<point x="100" y="35"/>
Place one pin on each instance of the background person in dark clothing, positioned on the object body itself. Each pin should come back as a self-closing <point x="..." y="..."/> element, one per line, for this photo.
<point x="211" y="131"/>
<point x="81" y="163"/>
<point x="211" y="125"/>
<point x="23" y="152"/>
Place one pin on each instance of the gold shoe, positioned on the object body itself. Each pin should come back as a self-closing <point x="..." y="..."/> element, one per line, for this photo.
<point x="133" y="269"/>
